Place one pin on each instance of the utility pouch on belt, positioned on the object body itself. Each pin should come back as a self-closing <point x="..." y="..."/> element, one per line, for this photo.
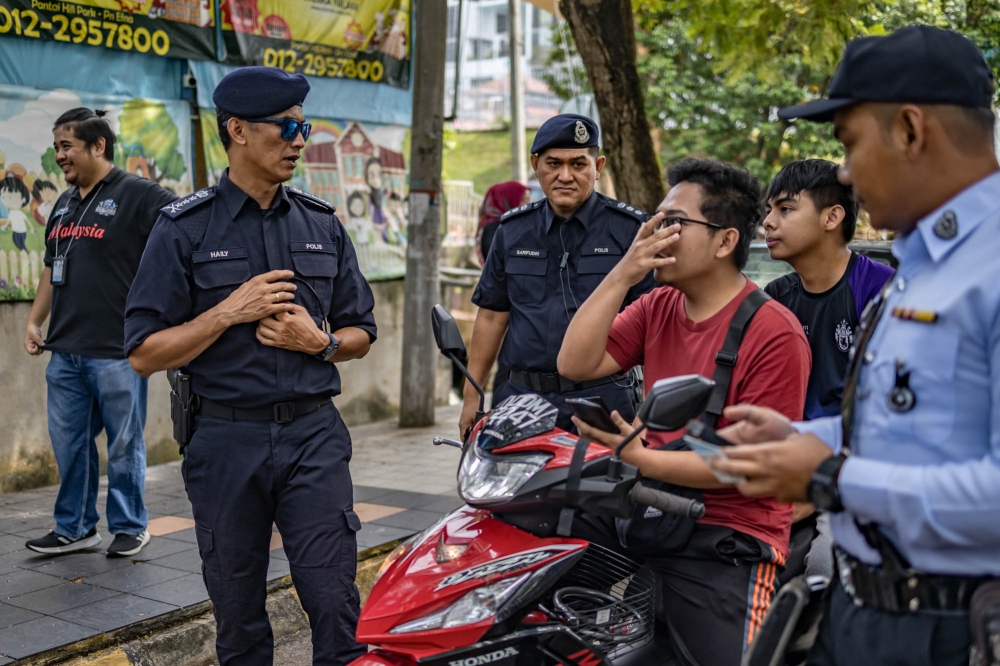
<point x="791" y="625"/>
<point x="984" y="618"/>
<point x="182" y="407"/>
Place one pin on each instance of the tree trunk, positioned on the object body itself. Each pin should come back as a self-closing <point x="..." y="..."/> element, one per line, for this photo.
<point x="604" y="32"/>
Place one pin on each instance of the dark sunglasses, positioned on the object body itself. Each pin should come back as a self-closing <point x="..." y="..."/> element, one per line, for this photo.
<point x="672" y="220"/>
<point x="289" y="127"/>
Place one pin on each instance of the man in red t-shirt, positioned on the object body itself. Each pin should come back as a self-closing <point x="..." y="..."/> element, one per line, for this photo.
<point x="718" y="587"/>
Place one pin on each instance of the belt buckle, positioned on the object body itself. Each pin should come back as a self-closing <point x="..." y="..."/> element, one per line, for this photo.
<point x="284" y="412"/>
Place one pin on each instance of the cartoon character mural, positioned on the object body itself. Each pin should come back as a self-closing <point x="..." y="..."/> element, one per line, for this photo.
<point x="15" y="197"/>
<point x="43" y="197"/>
<point x="158" y="139"/>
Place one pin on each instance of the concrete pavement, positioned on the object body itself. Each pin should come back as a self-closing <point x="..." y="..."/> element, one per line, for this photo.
<point x="54" y="607"/>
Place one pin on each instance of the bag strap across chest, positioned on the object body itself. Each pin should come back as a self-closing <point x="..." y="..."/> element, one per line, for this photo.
<point x="725" y="359"/>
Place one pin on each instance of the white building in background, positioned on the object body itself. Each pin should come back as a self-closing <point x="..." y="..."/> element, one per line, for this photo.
<point x="483" y="42"/>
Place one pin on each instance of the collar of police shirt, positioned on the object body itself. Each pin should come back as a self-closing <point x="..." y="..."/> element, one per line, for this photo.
<point x="585" y="213"/>
<point x="234" y="198"/>
<point x="975" y="198"/>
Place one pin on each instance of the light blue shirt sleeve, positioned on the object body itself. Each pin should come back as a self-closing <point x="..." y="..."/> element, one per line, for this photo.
<point x="827" y="429"/>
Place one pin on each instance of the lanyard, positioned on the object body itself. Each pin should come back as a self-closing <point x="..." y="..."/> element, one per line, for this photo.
<point x="79" y="220"/>
<point x="869" y="320"/>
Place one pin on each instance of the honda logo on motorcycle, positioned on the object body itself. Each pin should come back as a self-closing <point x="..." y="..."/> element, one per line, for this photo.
<point x="503" y="565"/>
<point x="485" y="658"/>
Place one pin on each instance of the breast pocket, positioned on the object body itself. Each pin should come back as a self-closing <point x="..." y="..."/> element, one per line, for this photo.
<point x="593" y="265"/>
<point x="526" y="271"/>
<point x="930" y="354"/>
<point x="316" y="264"/>
<point x="217" y="274"/>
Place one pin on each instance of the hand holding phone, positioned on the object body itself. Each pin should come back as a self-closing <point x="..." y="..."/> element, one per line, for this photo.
<point x="704" y="441"/>
<point x="593" y="414"/>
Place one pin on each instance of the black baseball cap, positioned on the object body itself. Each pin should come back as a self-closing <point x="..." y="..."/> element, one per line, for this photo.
<point x="916" y="64"/>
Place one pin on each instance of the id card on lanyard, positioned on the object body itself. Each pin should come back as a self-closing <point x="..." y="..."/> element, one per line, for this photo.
<point x="59" y="261"/>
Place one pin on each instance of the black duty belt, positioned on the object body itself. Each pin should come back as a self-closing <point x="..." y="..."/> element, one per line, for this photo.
<point x="553" y="382"/>
<point x="279" y="412"/>
<point x="904" y="592"/>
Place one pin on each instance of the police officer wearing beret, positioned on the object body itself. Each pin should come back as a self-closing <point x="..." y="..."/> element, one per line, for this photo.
<point x="253" y="288"/>
<point x="546" y="259"/>
<point x="911" y="471"/>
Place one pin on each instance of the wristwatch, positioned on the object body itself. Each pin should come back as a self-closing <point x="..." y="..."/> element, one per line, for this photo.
<point x="822" y="489"/>
<point x="330" y="350"/>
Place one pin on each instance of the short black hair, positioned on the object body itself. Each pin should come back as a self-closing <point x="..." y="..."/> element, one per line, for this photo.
<point x="222" y="117"/>
<point x="89" y="126"/>
<point x="818" y="179"/>
<point x="12" y="183"/>
<point x="356" y="196"/>
<point x="732" y="198"/>
<point x="36" y="189"/>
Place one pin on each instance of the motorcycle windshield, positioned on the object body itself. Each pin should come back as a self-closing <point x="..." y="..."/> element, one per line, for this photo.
<point x="516" y="418"/>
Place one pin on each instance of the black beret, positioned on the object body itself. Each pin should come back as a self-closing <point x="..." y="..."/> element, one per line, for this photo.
<point x="256" y="92"/>
<point x="567" y="130"/>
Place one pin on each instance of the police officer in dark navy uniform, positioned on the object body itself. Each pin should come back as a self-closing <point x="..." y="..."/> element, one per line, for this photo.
<point x="253" y="289"/>
<point x="546" y="259"/>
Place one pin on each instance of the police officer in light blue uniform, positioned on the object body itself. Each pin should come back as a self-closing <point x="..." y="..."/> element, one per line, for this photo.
<point x="914" y="479"/>
<point x="547" y="257"/>
<point x="253" y="288"/>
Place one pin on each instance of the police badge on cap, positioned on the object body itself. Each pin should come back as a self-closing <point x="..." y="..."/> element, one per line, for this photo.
<point x="567" y="130"/>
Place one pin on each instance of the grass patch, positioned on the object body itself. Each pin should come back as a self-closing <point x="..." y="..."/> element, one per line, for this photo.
<point x="482" y="157"/>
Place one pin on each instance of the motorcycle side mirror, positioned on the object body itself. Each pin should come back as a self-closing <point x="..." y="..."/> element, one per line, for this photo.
<point x="446" y="333"/>
<point x="449" y="341"/>
<point x="673" y="402"/>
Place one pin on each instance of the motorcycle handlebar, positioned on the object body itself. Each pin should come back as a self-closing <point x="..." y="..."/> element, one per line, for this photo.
<point x="667" y="502"/>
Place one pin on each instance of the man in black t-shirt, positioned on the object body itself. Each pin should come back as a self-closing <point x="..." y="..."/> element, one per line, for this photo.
<point x="811" y="218"/>
<point x="95" y="237"/>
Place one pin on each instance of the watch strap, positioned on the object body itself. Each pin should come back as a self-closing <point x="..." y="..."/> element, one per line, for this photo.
<point x="823" y="490"/>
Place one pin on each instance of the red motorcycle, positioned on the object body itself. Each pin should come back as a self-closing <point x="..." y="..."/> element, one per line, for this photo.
<point x="499" y="581"/>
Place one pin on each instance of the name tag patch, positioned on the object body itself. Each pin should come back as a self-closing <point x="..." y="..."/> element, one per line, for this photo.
<point x="529" y="253"/>
<point x="314" y="246"/>
<point x="219" y="254"/>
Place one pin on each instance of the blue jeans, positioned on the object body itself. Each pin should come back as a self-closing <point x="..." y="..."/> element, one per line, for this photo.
<point x="87" y="395"/>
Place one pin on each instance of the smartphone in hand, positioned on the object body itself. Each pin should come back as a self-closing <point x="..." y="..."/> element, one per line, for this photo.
<point x="707" y="451"/>
<point x="593" y="414"/>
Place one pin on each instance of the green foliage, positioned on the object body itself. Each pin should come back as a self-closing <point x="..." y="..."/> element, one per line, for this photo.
<point x="559" y="80"/>
<point x="702" y="112"/>
<point x="49" y="161"/>
<point x="146" y="125"/>
<point x="482" y="157"/>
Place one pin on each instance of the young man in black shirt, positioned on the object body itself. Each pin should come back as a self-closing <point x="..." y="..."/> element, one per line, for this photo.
<point x="810" y="219"/>
<point x="95" y="237"/>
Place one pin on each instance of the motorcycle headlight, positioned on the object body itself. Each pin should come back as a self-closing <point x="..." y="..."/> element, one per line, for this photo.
<point x="476" y="606"/>
<point x="484" y="478"/>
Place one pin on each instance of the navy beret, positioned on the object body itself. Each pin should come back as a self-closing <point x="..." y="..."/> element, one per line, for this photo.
<point x="256" y="92"/>
<point x="567" y="130"/>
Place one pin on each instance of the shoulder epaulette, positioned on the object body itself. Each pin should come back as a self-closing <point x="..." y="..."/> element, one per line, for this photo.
<point x="520" y="210"/>
<point x="311" y="199"/>
<point x="625" y="208"/>
<point x="176" y="208"/>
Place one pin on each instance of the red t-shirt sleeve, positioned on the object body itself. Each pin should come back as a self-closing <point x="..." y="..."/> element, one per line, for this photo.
<point x="627" y="339"/>
<point x="780" y="360"/>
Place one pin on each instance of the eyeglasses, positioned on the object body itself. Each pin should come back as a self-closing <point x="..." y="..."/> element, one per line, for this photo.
<point x="289" y="127"/>
<point x="672" y="220"/>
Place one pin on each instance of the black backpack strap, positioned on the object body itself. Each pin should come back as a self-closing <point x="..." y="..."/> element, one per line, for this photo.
<point x="725" y="359"/>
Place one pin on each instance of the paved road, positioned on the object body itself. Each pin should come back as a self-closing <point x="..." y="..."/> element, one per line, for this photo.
<point x="294" y="650"/>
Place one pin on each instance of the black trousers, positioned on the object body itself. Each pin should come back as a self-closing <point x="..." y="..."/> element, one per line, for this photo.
<point x="712" y="595"/>
<point x="852" y="636"/>
<point x="244" y="476"/>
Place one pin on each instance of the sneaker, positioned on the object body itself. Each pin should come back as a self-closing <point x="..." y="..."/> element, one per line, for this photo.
<point x="126" y="545"/>
<point x="55" y="544"/>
